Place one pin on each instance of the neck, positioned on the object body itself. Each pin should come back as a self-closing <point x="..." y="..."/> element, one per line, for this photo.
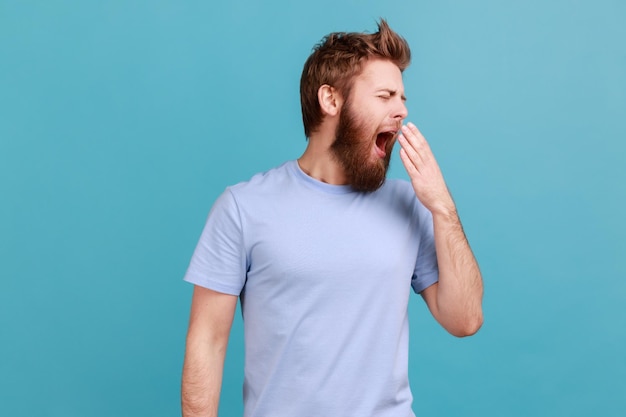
<point x="318" y="161"/>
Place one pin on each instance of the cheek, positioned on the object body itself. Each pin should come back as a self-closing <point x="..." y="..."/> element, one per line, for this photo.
<point x="371" y="123"/>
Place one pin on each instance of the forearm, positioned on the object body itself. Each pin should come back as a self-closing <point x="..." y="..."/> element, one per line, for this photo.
<point x="207" y="338"/>
<point x="460" y="288"/>
<point x="202" y="377"/>
<point x="456" y="299"/>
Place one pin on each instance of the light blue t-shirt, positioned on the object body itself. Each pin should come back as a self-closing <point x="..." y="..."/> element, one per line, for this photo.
<point x="324" y="275"/>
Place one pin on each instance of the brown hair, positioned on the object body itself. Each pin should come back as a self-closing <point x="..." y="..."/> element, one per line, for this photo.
<point x="338" y="58"/>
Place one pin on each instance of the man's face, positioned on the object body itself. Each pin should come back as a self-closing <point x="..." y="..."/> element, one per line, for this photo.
<point x="368" y="123"/>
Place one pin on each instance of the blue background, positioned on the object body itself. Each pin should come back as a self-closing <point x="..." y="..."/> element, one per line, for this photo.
<point x="121" y="122"/>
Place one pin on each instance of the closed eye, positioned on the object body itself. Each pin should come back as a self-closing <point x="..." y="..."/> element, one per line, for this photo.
<point x="387" y="94"/>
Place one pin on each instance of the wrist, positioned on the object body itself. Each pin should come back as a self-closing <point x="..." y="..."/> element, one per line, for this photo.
<point x="444" y="208"/>
<point x="445" y="213"/>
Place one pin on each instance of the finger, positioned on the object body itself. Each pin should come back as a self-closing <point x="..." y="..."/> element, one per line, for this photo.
<point x="410" y="167"/>
<point x="413" y="137"/>
<point x="412" y="154"/>
<point x="417" y="140"/>
<point x="413" y="129"/>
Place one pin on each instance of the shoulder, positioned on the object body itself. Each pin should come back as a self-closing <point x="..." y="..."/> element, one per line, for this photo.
<point x="263" y="181"/>
<point x="398" y="186"/>
<point x="261" y="186"/>
<point x="399" y="190"/>
<point x="402" y="194"/>
<point x="262" y="189"/>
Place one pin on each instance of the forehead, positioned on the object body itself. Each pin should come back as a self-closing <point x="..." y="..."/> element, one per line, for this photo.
<point x="380" y="74"/>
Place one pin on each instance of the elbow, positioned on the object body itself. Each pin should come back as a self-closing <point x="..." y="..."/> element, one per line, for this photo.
<point x="468" y="328"/>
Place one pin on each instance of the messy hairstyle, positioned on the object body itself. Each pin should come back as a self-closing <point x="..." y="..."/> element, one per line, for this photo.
<point x="338" y="58"/>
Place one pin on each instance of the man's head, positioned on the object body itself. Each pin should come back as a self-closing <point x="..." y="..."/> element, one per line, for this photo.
<point x="355" y="80"/>
<point x="368" y="124"/>
<point x="338" y="59"/>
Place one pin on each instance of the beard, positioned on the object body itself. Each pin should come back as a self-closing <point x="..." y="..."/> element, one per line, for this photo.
<point x="353" y="150"/>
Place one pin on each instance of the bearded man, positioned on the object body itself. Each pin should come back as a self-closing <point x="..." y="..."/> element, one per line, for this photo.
<point x="323" y="251"/>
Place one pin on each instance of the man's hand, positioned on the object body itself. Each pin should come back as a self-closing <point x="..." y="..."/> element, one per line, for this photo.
<point x="424" y="171"/>
<point x="456" y="300"/>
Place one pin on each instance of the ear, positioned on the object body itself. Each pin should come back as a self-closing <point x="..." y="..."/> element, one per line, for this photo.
<point x="330" y="100"/>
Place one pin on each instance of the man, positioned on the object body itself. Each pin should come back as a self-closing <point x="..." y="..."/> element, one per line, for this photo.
<point x="323" y="251"/>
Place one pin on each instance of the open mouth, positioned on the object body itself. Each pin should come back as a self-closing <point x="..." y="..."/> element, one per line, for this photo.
<point x="384" y="140"/>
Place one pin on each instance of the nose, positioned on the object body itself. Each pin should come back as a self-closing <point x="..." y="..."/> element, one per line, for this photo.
<point x="400" y="111"/>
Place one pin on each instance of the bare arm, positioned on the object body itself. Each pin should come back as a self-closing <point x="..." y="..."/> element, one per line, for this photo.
<point x="207" y="338"/>
<point x="456" y="300"/>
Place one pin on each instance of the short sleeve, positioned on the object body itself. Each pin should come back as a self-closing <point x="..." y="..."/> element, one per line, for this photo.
<point x="219" y="260"/>
<point x="426" y="270"/>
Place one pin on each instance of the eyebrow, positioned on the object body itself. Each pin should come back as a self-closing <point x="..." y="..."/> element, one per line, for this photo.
<point x="391" y="92"/>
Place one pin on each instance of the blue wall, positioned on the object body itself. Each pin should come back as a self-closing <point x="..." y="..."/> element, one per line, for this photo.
<point x="121" y="121"/>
